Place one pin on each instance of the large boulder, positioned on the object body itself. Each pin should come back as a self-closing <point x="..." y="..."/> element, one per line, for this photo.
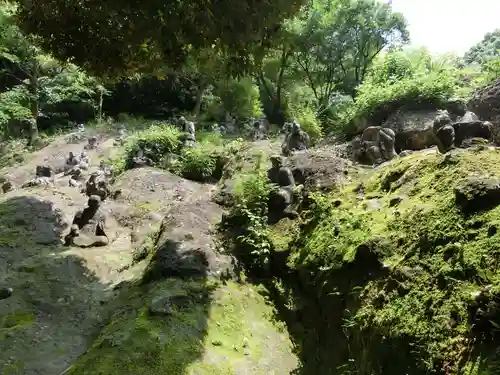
<point x="413" y="129"/>
<point x="486" y="104"/>
<point x="320" y="169"/>
<point x="185" y="246"/>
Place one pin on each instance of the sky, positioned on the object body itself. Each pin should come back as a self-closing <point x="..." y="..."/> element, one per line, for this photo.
<point x="449" y="25"/>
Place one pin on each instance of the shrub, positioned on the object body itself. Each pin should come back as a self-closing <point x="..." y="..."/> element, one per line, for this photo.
<point x="241" y="98"/>
<point x="246" y="223"/>
<point x="300" y="106"/>
<point x="197" y="164"/>
<point x="157" y="142"/>
<point x="396" y="81"/>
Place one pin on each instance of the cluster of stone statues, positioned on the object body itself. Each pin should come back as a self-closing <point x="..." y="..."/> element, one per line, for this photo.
<point x="378" y="144"/>
<point x="375" y="145"/>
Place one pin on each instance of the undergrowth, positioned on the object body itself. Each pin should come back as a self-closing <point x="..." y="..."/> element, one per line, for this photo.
<point x="245" y="226"/>
<point x="160" y="143"/>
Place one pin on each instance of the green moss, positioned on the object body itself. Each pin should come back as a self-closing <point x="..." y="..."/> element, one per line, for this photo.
<point x="16" y="320"/>
<point x="205" y="336"/>
<point x="434" y="259"/>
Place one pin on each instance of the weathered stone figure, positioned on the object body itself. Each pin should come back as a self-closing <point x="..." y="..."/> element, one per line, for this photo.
<point x="141" y="160"/>
<point x="189" y="138"/>
<point x="89" y="226"/>
<point x="72" y="160"/>
<point x="295" y="140"/>
<point x="44" y="171"/>
<point x="44" y="177"/>
<point x="97" y="185"/>
<point x="280" y="201"/>
<point x="106" y="169"/>
<point x="287" y="127"/>
<point x="92" y="143"/>
<point x="444" y="130"/>
<point x="122" y="135"/>
<point x="378" y="144"/>
<point x="80" y="128"/>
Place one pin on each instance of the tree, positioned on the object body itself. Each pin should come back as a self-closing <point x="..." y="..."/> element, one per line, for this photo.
<point x="339" y="41"/>
<point x="485" y="50"/>
<point x="114" y="37"/>
<point x="37" y="78"/>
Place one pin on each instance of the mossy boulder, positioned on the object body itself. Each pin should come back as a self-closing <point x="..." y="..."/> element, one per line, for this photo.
<point x="411" y="287"/>
<point x="208" y="329"/>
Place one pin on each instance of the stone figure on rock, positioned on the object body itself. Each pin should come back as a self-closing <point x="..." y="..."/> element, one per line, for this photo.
<point x="97" y="184"/>
<point x="89" y="226"/>
<point x="141" y="160"/>
<point x="295" y="140"/>
<point x="188" y="139"/>
<point x="121" y="137"/>
<point x="72" y="160"/>
<point x="375" y="146"/>
<point x="283" y="200"/>
<point x="458" y="134"/>
<point x="92" y="143"/>
<point x="44" y="176"/>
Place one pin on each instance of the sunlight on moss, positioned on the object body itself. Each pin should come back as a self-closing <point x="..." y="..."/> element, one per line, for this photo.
<point x="435" y="257"/>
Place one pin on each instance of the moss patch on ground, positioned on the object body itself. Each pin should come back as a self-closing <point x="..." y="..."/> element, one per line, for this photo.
<point x="217" y="329"/>
<point x="412" y="282"/>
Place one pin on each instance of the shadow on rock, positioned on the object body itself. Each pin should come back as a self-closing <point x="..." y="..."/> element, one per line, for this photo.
<point x="54" y="309"/>
<point x="160" y="324"/>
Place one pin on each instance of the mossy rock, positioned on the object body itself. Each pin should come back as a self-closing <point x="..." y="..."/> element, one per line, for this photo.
<point x="217" y="329"/>
<point x="409" y="288"/>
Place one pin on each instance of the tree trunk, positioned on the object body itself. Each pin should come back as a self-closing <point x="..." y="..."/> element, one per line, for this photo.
<point x="33" y="123"/>
<point x="199" y="97"/>
<point x="99" y="109"/>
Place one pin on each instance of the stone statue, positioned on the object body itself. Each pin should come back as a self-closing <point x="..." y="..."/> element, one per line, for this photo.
<point x="122" y="135"/>
<point x="379" y="143"/>
<point x="80" y="128"/>
<point x="282" y="199"/>
<point x="44" y="176"/>
<point x="444" y="131"/>
<point x="72" y="160"/>
<point x="188" y="138"/>
<point x="287" y="127"/>
<point x="92" y="143"/>
<point x="44" y="171"/>
<point x="295" y="140"/>
<point x="141" y="160"/>
<point x="89" y="226"/>
<point x="84" y="163"/>
<point x="97" y="185"/>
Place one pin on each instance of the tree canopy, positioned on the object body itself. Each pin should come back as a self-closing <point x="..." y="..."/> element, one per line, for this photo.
<point x="484" y="50"/>
<point x="115" y="37"/>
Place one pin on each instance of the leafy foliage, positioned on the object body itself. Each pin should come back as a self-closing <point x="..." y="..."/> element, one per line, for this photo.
<point x="39" y="82"/>
<point x="484" y="50"/>
<point x="398" y="80"/>
<point x="245" y="226"/>
<point x="128" y="36"/>
<point x="155" y="143"/>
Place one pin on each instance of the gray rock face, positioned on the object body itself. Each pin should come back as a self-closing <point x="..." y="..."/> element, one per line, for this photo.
<point x="478" y="194"/>
<point x="166" y="304"/>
